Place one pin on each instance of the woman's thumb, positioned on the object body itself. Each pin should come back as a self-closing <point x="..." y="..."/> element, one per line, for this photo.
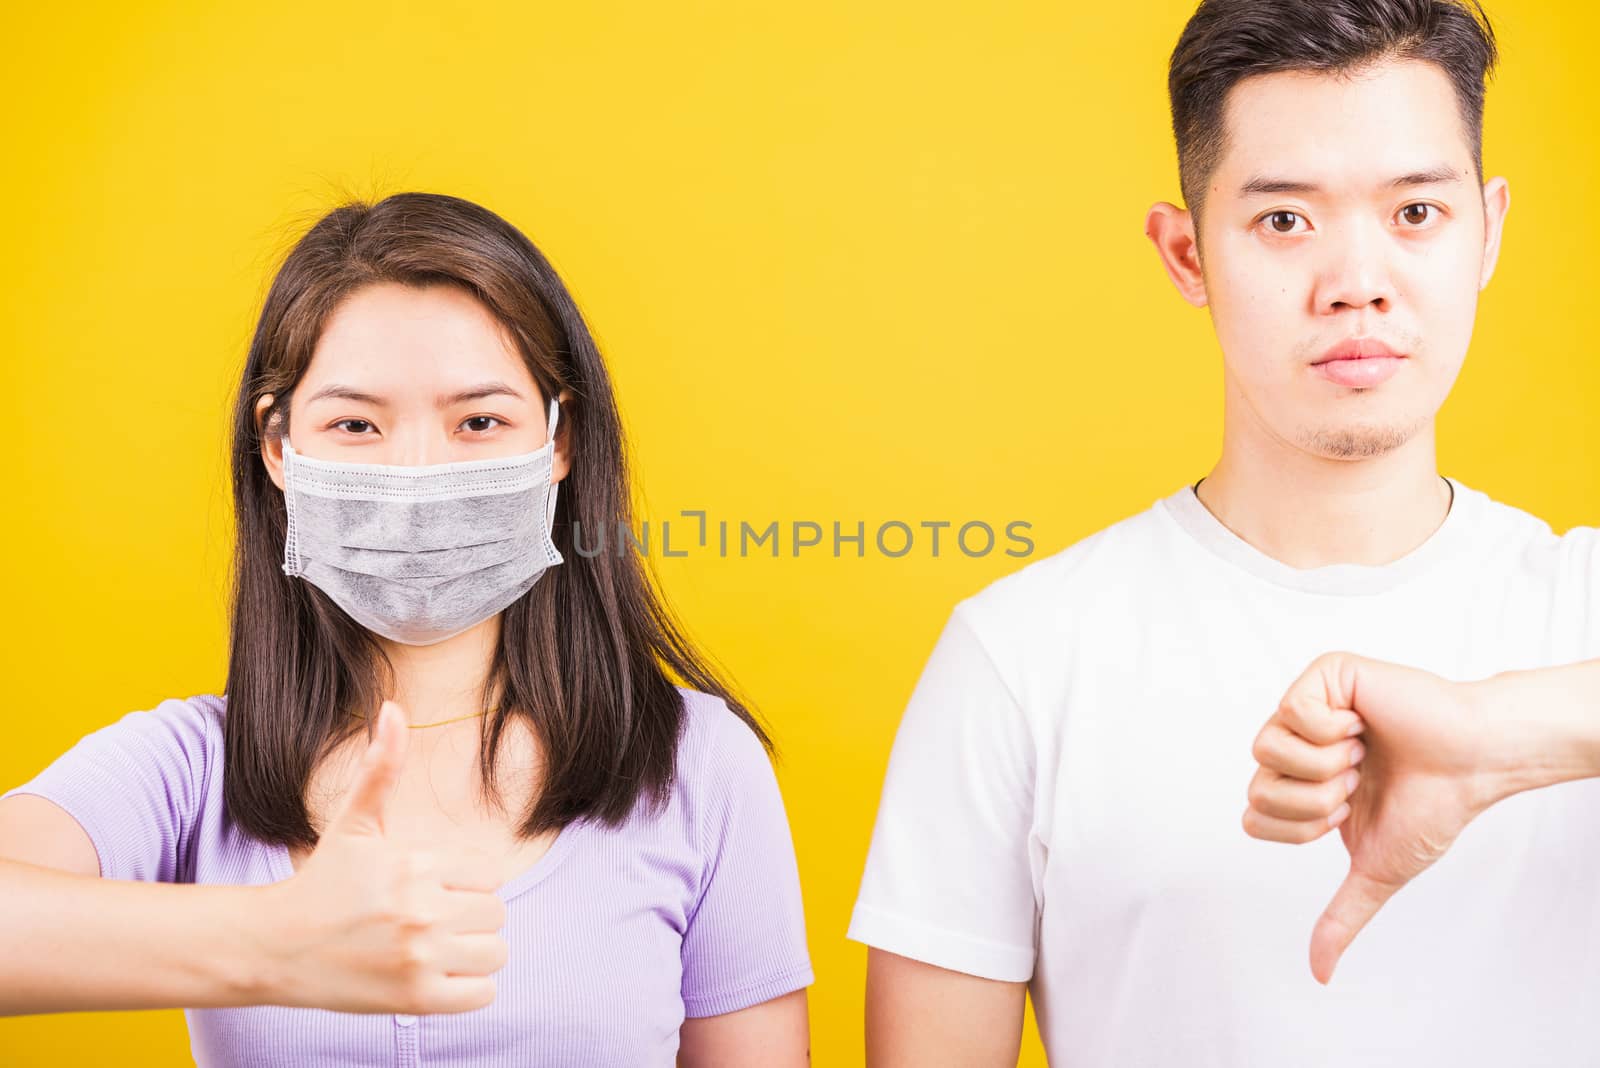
<point x="376" y="775"/>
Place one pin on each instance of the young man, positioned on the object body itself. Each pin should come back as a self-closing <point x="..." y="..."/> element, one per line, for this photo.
<point x="1062" y="808"/>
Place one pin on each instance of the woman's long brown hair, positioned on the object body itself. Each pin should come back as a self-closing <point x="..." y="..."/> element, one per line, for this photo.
<point x="590" y="657"/>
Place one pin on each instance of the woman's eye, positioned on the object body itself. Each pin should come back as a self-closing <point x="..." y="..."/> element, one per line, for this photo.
<point x="479" y="424"/>
<point x="1409" y="213"/>
<point x="1281" y="222"/>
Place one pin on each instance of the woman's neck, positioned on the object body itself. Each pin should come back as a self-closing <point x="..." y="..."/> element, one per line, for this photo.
<point x="444" y="680"/>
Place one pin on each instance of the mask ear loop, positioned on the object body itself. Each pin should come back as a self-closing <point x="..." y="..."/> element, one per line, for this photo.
<point x="550" y="494"/>
<point x="292" y="563"/>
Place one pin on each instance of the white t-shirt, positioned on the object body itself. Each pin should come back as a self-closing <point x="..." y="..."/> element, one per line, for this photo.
<point x="1063" y="800"/>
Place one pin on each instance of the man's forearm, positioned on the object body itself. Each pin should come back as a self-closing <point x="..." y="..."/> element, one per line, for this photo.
<point x="1541" y="726"/>
<point x="75" y="942"/>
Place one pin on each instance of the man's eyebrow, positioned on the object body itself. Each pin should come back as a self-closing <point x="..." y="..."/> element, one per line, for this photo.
<point x="478" y="392"/>
<point x="1263" y="184"/>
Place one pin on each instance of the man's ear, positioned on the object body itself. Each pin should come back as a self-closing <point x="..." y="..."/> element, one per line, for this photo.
<point x="1496" y="202"/>
<point x="1171" y="229"/>
<point x="271" y="443"/>
<point x="561" y="463"/>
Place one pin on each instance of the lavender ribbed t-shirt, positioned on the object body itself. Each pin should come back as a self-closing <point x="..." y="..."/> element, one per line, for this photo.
<point x="616" y="934"/>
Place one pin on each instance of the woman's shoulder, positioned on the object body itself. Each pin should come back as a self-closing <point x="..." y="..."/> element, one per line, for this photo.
<point x="206" y="708"/>
<point x="191" y="726"/>
<point x="176" y="733"/>
<point x="722" y="761"/>
<point x="715" y="739"/>
<point x="141" y="786"/>
<point x="174" y="743"/>
<point x="194" y="721"/>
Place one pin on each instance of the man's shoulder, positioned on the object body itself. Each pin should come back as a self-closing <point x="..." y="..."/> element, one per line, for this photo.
<point x="1522" y="556"/>
<point x="1527" y="542"/>
<point x="1104" y="564"/>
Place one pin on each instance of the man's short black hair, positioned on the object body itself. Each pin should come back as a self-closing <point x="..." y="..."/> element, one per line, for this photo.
<point x="1228" y="40"/>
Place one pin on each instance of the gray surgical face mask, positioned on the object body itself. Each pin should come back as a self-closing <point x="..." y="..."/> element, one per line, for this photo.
<point x="420" y="554"/>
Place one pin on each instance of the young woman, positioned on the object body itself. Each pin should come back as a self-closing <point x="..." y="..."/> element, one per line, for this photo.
<point x="452" y="807"/>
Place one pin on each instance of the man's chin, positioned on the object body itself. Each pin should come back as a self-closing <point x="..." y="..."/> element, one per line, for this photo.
<point x="1357" y="441"/>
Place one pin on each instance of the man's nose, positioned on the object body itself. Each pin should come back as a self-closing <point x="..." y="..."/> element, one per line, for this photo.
<point x="1357" y="271"/>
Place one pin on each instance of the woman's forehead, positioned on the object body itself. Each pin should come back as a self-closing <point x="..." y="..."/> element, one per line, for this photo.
<point x="433" y="344"/>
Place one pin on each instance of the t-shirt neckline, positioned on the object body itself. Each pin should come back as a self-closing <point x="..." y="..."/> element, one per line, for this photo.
<point x="1187" y="510"/>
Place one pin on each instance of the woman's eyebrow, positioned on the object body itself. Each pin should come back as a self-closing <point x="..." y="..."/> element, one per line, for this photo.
<point x="478" y="392"/>
<point x="1263" y="184"/>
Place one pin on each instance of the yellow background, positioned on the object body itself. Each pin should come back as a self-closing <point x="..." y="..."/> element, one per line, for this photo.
<point x="855" y="262"/>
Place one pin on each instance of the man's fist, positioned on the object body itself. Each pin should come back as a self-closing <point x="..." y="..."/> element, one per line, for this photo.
<point x="1394" y="756"/>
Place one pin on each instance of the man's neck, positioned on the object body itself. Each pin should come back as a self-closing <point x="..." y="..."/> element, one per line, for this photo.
<point x="1309" y="511"/>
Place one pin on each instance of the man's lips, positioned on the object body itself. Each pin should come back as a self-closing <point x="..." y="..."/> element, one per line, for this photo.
<point x="1359" y="363"/>
<point x="1358" y="348"/>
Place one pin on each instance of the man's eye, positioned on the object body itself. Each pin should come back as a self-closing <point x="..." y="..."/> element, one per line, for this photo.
<point x="1281" y="222"/>
<point x="479" y="419"/>
<point x="1409" y="213"/>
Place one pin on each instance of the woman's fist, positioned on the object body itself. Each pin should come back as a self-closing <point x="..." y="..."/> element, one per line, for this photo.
<point x="369" y="924"/>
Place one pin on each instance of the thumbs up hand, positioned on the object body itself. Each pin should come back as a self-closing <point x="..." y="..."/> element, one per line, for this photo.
<point x="369" y="924"/>
<point x="1400" y="792"/>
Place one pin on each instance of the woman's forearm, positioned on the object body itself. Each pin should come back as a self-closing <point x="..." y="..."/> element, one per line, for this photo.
<point x="1542" y="725"/>
<point x="72" y="942"/>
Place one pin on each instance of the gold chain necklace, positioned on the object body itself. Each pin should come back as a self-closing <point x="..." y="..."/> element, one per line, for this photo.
<point x="442" y="722"/>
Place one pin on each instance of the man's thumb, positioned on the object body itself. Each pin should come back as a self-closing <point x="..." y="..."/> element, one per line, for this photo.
<point x="377" y="774"/>
<point x="1357" y="900"/>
